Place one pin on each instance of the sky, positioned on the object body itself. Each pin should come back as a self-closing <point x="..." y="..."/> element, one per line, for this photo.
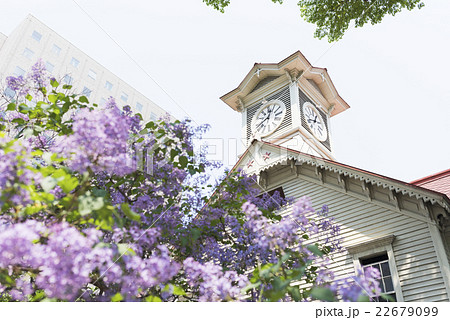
<point x="184" y="55"/>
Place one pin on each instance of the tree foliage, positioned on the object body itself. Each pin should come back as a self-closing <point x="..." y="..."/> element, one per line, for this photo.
<point x="96" y="205"/>
<point x="333" y="17"/>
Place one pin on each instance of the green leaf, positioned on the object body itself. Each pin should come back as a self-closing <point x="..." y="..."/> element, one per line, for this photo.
<point x="83" y="99"/>
<point x="183" y="160"/>
<point x="324" y="294"/>
<point x="315" y="249"/>
<point x="173" y="153"/>
<point x="124" y="249"/>
<point x="130" y="213"/>
<point x="48" y="183"/>
<point x="54" y="83"/>
<point x="178" y="291"/>
<point x="68" y="183"/>
<point x="53" y="98"/>
<point x="117" y="297"/>
<point x="5" y="279"/>
<point x="11" y="107"/>
<point x="153" y="299"/>
<point x="363" y="298"/>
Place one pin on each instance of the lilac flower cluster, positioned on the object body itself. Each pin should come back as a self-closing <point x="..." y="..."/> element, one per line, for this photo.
<point x="212" y="283"/>
<point x="98" y="142"/>
<point x="30" y="83"/>
<point x="64" y="259"/>
<point x="142" y="274"/>
<point x="363" y="284"/>
<point x="14" y="170"/>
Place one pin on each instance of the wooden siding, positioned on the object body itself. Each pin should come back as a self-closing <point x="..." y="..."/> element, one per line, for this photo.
<point x="364" y="216"/>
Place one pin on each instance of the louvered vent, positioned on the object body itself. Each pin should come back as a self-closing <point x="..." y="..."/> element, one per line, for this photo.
<point x="263" y="82"/>
<point x="282" y="95"/>
<point x="304" y="98"/>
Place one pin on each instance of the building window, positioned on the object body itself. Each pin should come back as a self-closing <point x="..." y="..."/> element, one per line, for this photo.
<point x="381" y="263"/>
<point x="28" y="53"/>
<point x="10" y="93"/>
<point x="49" y="67"/>
<point x="67" y="79"/>
<point x="86" y="92"/>
<point x="74" y="62"/>
<point x="139" y="107"/>
<point x="124" y="97"/>
<point x="378" y="253"/>
<point x="102" y="102"/>
<point x="92" y="74"/>
<point x="18" y="71"/>
<point x="108" y="85"/>
<point x="153" y="116"/>
<point x="56" y="50"/>
<point x="36" y="36"/>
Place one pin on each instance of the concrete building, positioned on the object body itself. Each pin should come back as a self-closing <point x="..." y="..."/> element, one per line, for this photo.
<point x="33" y="40"/>
<point x="401" y="228"/>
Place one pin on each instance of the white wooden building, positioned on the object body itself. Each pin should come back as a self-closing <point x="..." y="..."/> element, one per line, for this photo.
<point x="401" y="228"/>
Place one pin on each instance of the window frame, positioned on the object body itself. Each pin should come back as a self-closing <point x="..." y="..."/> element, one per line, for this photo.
<point x="124" y="97"/>
<point x="28" y="53"/>
<point x="376" y="247"/>
<point x="108" y="85"/>
<point x="74" y="62"/>
<point x="56" y="50"/>
<point x="92" y="74"/>
<point x="36" y="36"/>
<point x="50" y="67"/>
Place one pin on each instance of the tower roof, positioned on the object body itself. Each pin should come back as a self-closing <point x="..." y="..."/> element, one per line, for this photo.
<point x="294" y="65"/>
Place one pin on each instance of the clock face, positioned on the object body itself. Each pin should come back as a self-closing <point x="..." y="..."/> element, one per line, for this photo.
<point x="268" y="118"/>
<point x="315" y="122"/>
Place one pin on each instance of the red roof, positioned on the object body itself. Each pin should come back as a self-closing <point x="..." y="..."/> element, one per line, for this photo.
<point x="439" y="182"/>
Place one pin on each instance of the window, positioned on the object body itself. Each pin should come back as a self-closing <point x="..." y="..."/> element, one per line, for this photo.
<point x="28" y="53"/>
<point x="102" y="102"/>
<point x="381" y="263"/>
<point x="67" y="79"/>
<point x="139" y="107"/>
<point x="56" y="50"/>
<point x="74" y="62"/>
<point x="10" y="93"/>
<point x="18" y="71"/>
<point x="108" y="85"/>
<point x="49" y="67"/>
<point x="378" y="253"/>
<point x="124" y="97"/>
<point x="153" y="116"/>
<point x="86" y="92"/>
<point x="92" y="74"/>
<point x="36" y="36"/>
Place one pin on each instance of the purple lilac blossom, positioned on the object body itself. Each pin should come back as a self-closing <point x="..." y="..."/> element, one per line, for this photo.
<point x="212" y="283"/>
<point x="98" y="142"/>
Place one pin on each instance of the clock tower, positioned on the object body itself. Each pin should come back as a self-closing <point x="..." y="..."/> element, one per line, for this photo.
<point x="289" y="103"/>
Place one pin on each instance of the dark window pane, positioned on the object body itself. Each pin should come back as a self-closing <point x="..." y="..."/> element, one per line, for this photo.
<point x="381" y="285"/>
<point x="388" y="284"/>
<point x="374" y="259"/>
<point x="376" y="266"/>
<point x="385" y="269"/>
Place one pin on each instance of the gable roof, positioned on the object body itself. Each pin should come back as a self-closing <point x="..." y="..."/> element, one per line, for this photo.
<point x="439" y="182"/>
<point x="295" y="62"/>
<point x="253" y="156"/>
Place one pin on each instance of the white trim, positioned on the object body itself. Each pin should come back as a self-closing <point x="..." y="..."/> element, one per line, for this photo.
<point x="441" y="256"/>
